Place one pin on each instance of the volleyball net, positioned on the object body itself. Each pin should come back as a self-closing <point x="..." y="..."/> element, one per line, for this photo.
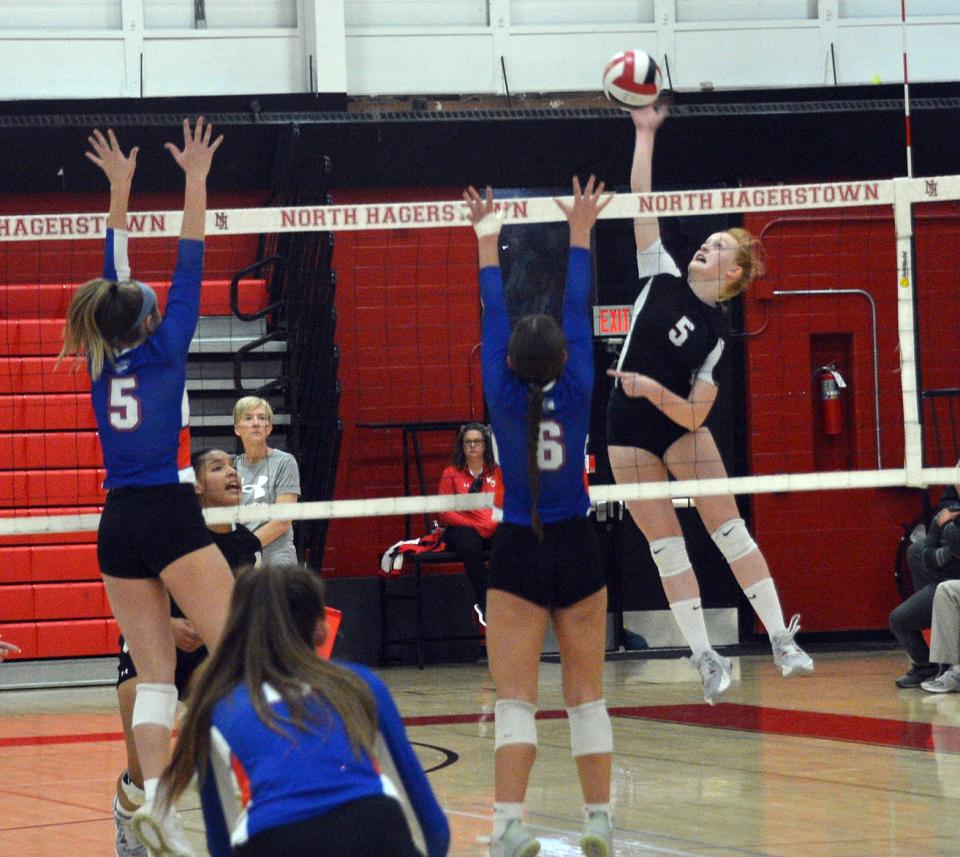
<point x="860" y="289"/>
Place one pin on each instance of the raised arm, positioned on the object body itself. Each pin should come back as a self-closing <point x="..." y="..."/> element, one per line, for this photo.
<point x="581" y="216"/>
<point x="584" y="211"/>
<point x="119" y="169"/>
<point x="195" y="159"/>
<point x="646" y="121"/>
<point x="498" y="380"/>
<point x="486" y="223"/>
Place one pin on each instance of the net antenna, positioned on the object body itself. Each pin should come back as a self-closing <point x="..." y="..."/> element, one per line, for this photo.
<point x="906" y="87"/>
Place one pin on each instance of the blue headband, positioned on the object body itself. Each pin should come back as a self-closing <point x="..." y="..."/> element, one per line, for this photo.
<point x="149" y="303"/>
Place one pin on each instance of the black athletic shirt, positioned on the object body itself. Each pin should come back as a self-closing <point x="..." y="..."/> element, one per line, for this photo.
<point x="674" y="336"/>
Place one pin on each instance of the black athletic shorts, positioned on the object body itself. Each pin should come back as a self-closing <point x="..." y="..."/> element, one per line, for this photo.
<point x="370" y="825"/>
<point x="187" y="663"/>
<point x="559" y="572"/>
<point x="638" y="423"/>
<point x="143" y="530"/>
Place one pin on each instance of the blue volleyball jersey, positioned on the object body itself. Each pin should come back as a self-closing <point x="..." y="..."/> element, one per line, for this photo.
<point x="284" y="779"/>
<point x="566" y="406"/>
<point x="140" y="399"/>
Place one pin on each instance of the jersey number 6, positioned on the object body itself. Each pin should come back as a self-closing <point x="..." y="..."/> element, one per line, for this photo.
<point x="680" y="331"/>
<point x="550" y="450"/>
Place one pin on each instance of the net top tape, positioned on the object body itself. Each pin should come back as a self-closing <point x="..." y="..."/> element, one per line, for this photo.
<point x="398" y="506"/>
<point x="453" y="213"/>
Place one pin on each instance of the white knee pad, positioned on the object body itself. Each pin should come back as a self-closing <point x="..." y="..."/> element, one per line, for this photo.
<point x="733" y="539"/>
<point x="670" y="555"/>
<point x="514" y="723"/>
<point x="155" y="703"/>
<point x="590" y="729"/>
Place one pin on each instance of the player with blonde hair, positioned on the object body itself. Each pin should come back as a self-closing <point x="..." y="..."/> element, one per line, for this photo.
<point x="665" y="389"/>
<point x="152" y="537"/>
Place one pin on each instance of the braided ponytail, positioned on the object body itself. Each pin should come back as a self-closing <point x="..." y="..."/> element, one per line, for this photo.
<point x="537" y="353"/>
<point x="534" y="415"/>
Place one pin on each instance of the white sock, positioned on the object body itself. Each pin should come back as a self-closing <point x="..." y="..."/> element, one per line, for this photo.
<point x="766" y="604"/>
<point x="150" y="788"/>
<point x="503" y="814"/>
<point x="591" y="808"/>
<point x="689" y="616"/>
<point x="131" y="791"/>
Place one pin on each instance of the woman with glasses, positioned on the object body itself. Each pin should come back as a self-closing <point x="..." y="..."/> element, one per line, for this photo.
<point x="268" y="475"/>
<point x="472" y="471"/>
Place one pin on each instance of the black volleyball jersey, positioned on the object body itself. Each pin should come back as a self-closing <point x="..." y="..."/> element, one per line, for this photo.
<point x="674" y="336"/>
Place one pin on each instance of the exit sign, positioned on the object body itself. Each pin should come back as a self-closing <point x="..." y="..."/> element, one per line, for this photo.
<point x="611" y="320"/>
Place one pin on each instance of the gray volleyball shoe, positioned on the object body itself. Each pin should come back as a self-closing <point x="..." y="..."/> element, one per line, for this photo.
<point x="787" y="655"/>
<point x="714" y="673"/>
<point x="597" y="838"/>
<point x="516" y="841"/>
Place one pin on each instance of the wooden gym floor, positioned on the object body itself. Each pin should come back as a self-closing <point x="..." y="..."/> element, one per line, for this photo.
<point x="839" y="764"/>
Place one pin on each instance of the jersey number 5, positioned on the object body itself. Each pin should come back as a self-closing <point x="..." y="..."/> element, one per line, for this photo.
<point x="680" y="331"/>
<point x="551" y="452"/>
<point x="124" y="405"/>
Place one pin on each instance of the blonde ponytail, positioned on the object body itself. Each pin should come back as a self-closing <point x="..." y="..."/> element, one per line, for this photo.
<point x="99" y="320"/>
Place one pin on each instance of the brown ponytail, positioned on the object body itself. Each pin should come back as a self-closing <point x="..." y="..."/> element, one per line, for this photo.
<point x="534" y="415"/>
<point x="269" y="640"/>
<point x="537" y="353"/>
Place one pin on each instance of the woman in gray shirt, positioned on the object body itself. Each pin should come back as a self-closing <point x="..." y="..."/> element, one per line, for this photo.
<point x="268" y="476"/>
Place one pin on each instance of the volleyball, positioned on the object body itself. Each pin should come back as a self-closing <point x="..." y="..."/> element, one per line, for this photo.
<point x="632" y="79"/>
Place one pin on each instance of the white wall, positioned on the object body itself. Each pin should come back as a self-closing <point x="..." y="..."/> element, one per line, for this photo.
<point x="127" y="48"/>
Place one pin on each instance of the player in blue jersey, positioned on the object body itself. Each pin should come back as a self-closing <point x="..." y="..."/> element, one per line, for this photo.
<point x="152" y="535"/>
<point x="315" y="749"/>
<point x="664" y="392"/>
<point x="538" y="382"/>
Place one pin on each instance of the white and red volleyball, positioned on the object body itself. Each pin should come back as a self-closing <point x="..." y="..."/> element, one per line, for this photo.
<point x="632" y="79"/>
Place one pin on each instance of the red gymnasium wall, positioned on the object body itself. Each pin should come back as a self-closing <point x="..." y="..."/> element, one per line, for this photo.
<point x="408" y="328"/>
<point x="52" y="602"/>
<point x="832" y="553"/>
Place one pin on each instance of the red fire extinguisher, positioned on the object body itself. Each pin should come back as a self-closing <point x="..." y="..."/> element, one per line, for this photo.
<point x="831" y="383"/>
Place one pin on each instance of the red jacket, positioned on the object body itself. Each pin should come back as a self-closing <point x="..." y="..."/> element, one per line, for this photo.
<point x="456" y="481"/>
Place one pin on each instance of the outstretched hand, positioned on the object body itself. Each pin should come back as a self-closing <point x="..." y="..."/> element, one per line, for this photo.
<point x="649" y="119"/>
<point x="196" y="155"/>
<point x="586" y="208"/>
<point x="480" y="207"/>
<point x="108" y="155"/>
<point x="486" y="220"/>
